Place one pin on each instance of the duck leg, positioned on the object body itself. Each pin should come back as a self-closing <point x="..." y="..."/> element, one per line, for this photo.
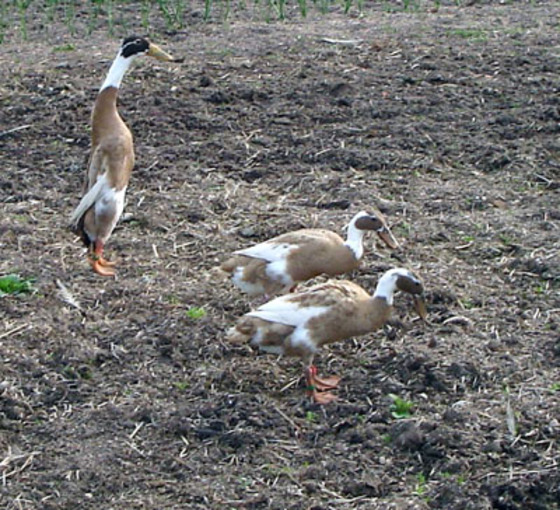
<point x="317" y="386"/>
<point x="99" y="264"/>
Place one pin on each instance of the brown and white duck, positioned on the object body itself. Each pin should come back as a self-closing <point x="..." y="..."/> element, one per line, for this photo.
<point x="277" y="265"/>
<point x="298" y="324"/>
<point x="111" y="158"/>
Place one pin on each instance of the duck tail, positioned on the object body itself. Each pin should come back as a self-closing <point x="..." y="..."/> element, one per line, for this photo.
<point x="242" y="332"/>
<point x="229" y="265"/>
<point x="87" y="201"/>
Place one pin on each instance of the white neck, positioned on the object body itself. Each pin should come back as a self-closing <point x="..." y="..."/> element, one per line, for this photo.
<point x="116" y="72"/>
<point x="354" y="241"/>
<point x="386" y="287"/>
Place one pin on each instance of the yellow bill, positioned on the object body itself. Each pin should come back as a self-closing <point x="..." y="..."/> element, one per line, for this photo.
<point x="420" y="306"/>
<point x="387" y="237"/>
<point x="156" y="52"/>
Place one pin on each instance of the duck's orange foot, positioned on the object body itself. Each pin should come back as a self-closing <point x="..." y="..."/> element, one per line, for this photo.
<point x="106" y="263"/>
<point x="322" y="397"/>
<point x="100" y="268"/>
<point x="317" y="386"/>
<point x="326" y="383"/>
<point x="321" y="383"/>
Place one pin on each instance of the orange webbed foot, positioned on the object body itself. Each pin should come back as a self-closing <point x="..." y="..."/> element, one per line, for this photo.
<point x="100" y="269"/>
<point x="326" y="383"/>
<point x="318" y="385"/>
<point x="323" y="397"/>
<point x="106" y="263"/>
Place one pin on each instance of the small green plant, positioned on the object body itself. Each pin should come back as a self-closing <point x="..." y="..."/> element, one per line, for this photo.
<point x="420" y="488"/>
<point x="70" y="16"/>
<point x="51" y="8"/>
<point x="541" y="288"/>
<point x="555" y="386"/>
<point x="22" y="6"/>
<point x="386" y="438"/>
<point x="181" y="385"/>
<point x="172" y="300"/>
<point x="64" y="47"/>
<point x="507" y="240"/>
<point x="4" y="24"/>
<point x="302" y="8"/>
<point x="400" y="408"/>
<point x="196" y="312"/>
<point x="311" y="417"/>
<point x="145" y="13"/>
<point x="466" y="303"/>
<point x="14" y="284"/>
<point x="470" y="33"/>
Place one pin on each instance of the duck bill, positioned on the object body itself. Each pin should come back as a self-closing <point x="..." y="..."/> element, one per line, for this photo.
<point x="387" y="237"/>
<point x="156" y="52"/>
<point x="420" y="306"/>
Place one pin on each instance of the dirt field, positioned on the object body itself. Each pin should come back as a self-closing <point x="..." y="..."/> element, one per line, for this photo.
<point x="448" y="121"/>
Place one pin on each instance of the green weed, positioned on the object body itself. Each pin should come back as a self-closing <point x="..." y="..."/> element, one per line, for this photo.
<point x="310" y="417"/>
<point x="469" y="33"/>
<point x="64" y="47"/>
<point x="14" y="284"/>
<point x="420" y="488"/>
<point x="181" y="385"/>
<point x="22" y="6"/>
<point x="196" y="312"/>
<point x="400" y="408"/>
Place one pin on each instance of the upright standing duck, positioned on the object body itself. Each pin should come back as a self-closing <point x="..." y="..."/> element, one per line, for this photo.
<point x="111" y="158"/>
<point x="277" y="265"/>
<point x="298" y="324"/>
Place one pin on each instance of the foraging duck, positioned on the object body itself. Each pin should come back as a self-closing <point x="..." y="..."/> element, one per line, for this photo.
<point x="277" y="265"/>
<point x="298" y="324"/>
<point x="111" y="158"/>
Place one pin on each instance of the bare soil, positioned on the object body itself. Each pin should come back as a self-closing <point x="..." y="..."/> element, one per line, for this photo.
<point x="447" y="120"/>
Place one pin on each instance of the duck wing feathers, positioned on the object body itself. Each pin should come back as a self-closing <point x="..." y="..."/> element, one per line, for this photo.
<point x="280" y="247"/>
<point x="297" y="310"/>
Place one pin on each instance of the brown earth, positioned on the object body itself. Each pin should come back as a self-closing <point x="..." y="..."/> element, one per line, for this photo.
<point x="448" y="120"/>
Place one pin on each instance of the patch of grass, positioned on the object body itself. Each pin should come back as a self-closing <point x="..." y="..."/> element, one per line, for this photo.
<point x="14" y="284"/>
<point x="476" y="34"/>
<point x="310" y="417"/>
<point x="467" y="304"/>
<point x="507" y="240"/>
<point x="420" y="488"/>
<point x="181" y="385"/>
<point x="400" y="408"/>
<point x="172" y="12"/>
<point x="555" y="386"/>
<point x="4" y="24"/>
<point x="172" y="300"/>
<point x="196" y="312"/>
<point x="64" y="47"/>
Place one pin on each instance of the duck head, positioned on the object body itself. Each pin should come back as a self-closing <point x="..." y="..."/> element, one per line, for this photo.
<point x="376" y="222"/>
<point x="406" y="281"/>
<point x="134" y="46"/>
